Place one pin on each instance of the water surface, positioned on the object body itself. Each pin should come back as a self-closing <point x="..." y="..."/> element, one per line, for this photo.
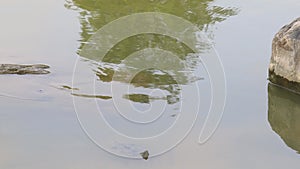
<point x="38" y="124"/>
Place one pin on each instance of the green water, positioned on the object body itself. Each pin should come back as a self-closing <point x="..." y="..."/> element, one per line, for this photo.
<point x="38" y="122"/>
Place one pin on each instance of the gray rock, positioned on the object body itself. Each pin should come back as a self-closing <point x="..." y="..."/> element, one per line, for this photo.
<point x="23" y="69"/>
<point x="284" y="67"/>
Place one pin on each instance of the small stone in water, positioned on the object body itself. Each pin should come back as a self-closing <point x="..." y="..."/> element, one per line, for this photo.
<point x="23" y="69"/>
<point x="145" y="154"/>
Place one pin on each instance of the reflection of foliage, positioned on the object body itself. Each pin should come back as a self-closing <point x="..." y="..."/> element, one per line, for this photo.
<point x="96" y="13"/>
<point x="144" y="98"/>
<point x="148" y="79"/>
<point x="284" y="115"/>
<point x="139" y="42"/>
<point x="105" y="74"/>
<point x="141" y="98"/>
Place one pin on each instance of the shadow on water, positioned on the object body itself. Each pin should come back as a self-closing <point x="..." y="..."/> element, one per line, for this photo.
<point x="284" y="115"/>
<point x="94" y="14"/>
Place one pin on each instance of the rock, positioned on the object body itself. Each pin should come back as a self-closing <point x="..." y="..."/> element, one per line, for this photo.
<point x="284" y="115"/>
<point x="23" y="69"/>
<point x="284" y="67"/>
<point x="145" y="155"/>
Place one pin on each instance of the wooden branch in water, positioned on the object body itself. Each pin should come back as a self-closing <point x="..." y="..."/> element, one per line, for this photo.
<point x="24" y="69"/>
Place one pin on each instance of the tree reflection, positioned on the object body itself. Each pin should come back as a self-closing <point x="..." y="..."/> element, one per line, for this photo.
<point x="96" y="13"/>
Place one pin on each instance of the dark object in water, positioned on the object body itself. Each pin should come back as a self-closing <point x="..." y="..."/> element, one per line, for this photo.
<point x="68" y="87"/>
<point x="24" y="69"/>
<point x="92" y="96"/>
<point x="145" y="155"/>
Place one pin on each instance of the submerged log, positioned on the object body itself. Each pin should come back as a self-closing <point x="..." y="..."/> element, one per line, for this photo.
<point x="284" y="67"/>
<point x="23" y="69"/>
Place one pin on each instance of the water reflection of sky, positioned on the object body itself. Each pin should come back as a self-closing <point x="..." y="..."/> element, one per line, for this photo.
<point x="47" y="135"/>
